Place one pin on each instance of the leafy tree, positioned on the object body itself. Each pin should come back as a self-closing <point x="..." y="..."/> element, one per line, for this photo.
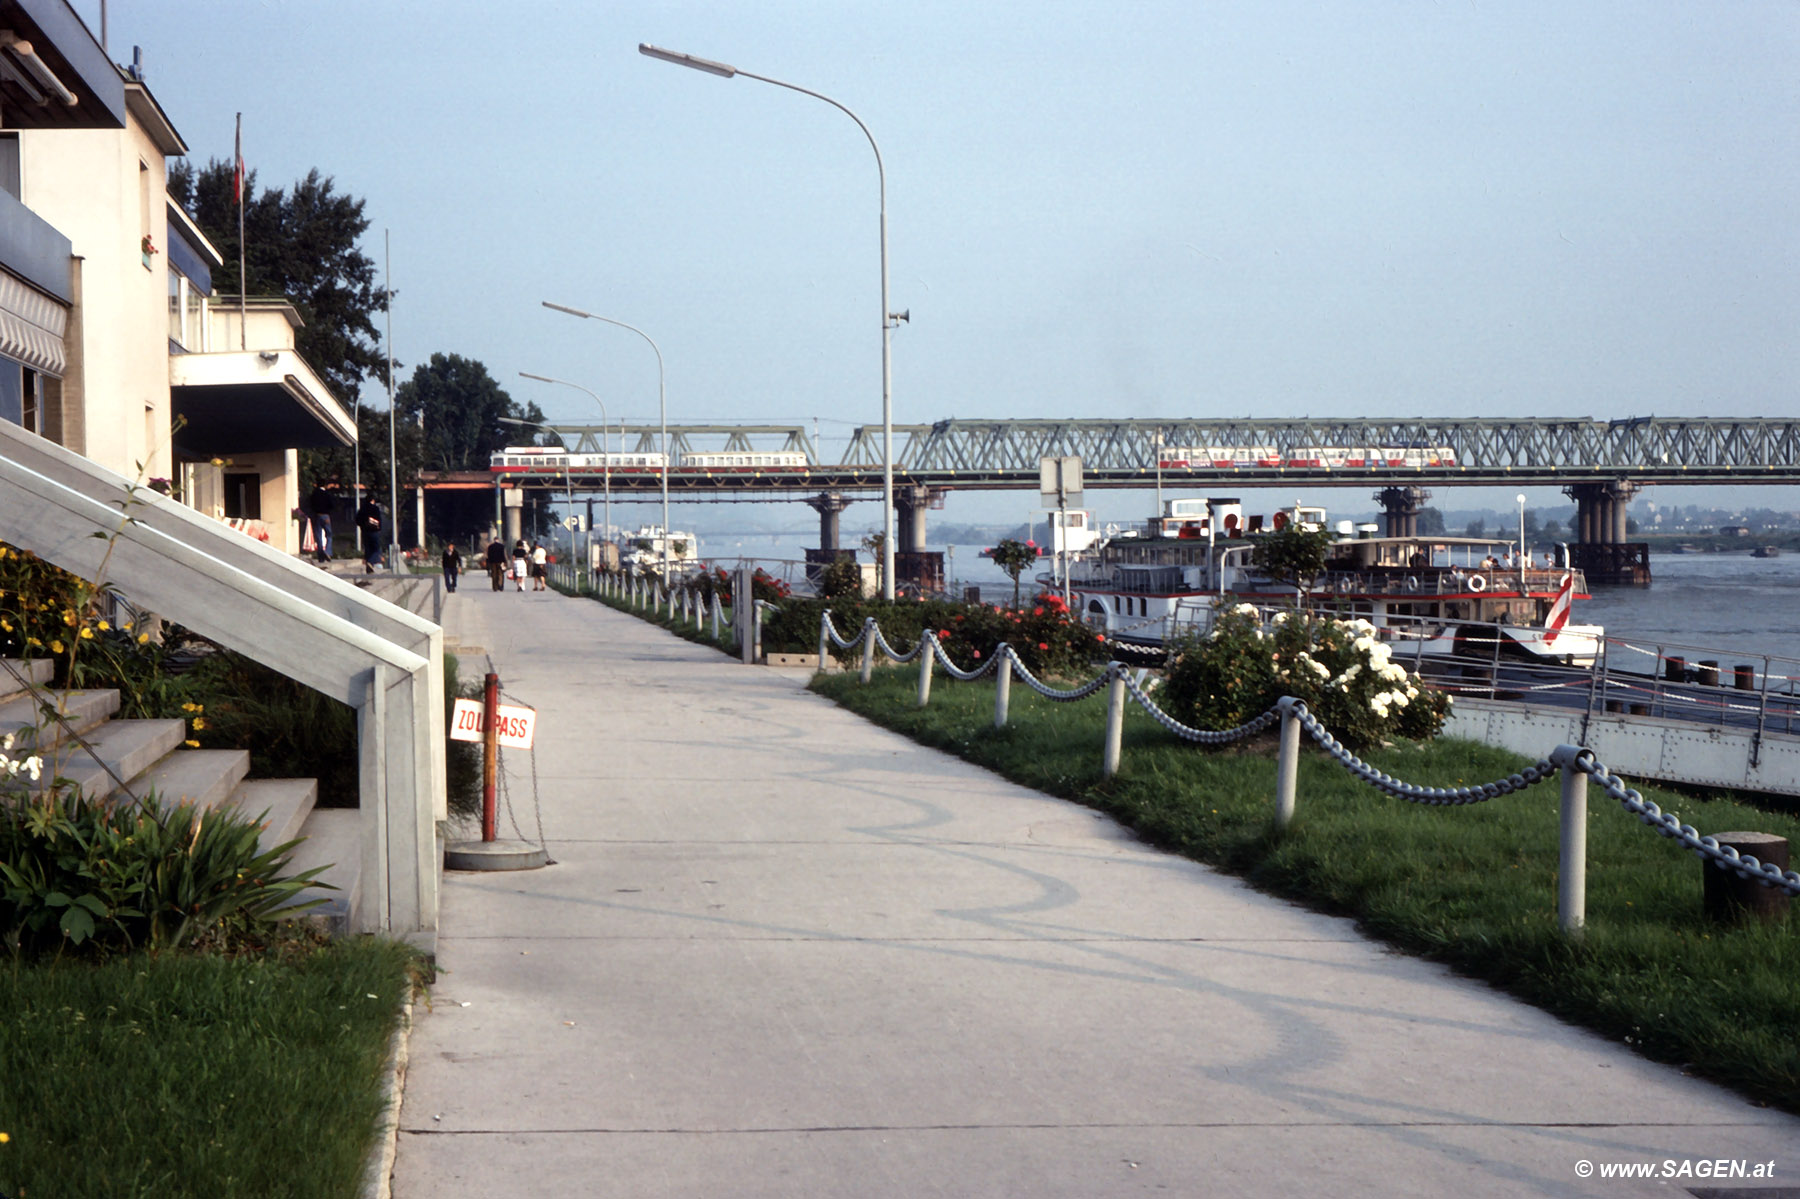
<point x="299" y="244"/>
<point x="1531" y="524"/>
<point x="1294" y="556"/>
<point x="1014" y="557"/>
<point x="1431" y="522"/>
<point x="464" y="413"/>
<point x="1477" y="528"/>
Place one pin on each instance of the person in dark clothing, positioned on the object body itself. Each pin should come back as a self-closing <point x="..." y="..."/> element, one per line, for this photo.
<point x="319" y="505"/>
<point x="452" y="566"/>
<point x="368" y="521"/>
<point x="495" y="560"/>
<point x="521" y="564"/>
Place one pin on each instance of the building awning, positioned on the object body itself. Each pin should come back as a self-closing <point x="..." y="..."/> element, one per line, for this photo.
<point x="32" y="325"/>
<point x="252" y="401"/>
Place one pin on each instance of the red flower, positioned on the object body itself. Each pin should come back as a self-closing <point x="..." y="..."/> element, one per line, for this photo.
<point x="1038" y="611"/>
<point x="978" y="653"/>
<point x="1043" y="645"/>
<point x="943" y="634"/>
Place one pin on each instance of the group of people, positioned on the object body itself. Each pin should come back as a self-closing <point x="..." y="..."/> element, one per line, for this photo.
<point x="522" y="562"/>
<point x="369" y="521"/>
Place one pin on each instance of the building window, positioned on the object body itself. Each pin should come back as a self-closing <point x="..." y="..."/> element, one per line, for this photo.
<point x="176" y="285"/>
<point x="9" y="164"/>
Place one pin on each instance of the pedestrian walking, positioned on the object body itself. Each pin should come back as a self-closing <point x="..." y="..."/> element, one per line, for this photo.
<point x="496" y="564"/>
<point x="539" y="559"/>
<point x="368" y="522"/>
<point x="521" y="563"/>
<point x="319" y="507"/>
<point x="452" y="566"/>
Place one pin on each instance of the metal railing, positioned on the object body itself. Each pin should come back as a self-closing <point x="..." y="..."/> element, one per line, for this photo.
<point x="286" y="614"/>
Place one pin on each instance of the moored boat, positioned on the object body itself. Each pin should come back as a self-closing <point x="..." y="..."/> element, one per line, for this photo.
<point x="1428" y="595"/>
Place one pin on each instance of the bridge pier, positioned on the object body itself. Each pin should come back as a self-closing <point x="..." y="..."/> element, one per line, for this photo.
<point x="913" y="565"/>
<point x="830" y="506"/>
<point x="1401" y="507"/>
<point x="1602" y="548"/>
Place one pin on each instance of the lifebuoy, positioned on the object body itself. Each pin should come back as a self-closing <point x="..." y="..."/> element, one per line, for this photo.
<point x="1477" y="583"/>
<point x="1412" y="582"/>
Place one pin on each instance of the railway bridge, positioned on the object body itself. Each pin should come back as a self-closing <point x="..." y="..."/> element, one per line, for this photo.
<point x="1600" y="464"/>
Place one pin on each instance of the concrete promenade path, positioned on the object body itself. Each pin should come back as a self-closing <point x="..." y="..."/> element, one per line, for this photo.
<point x="784" y="953"/>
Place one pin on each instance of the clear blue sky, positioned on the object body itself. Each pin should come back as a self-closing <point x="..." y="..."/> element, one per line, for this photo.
<point x="1153" y="209"/>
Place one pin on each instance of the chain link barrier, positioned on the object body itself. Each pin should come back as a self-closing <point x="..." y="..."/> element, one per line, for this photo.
<point x="955" y="671"/>
<point x="1412" y="792"/>
<point x="1669" y="825"/>
<point x="1201" y="736"/>
<point x="881" y="643"/>
<point x="1050" y="693"/>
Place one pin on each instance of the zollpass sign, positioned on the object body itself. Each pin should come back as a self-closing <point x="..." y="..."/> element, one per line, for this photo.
<point x="514" y="726"/>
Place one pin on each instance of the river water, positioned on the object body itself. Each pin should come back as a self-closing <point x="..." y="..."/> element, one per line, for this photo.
<point x="1731" y="604"/>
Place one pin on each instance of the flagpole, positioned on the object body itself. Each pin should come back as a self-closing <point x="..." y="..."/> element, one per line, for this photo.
<point x="243" y="280"/>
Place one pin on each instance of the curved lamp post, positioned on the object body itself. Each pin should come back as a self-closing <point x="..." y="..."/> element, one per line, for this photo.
<point x="662" y="406"/>
<point x="888" y="319"/>
<point x="605" y="455"/>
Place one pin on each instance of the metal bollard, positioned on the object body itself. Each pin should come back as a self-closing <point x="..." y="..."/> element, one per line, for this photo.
<point x="1571" y="880"/>
<point x="1115" y="719"/>
<point x="925" y="656"/>
<point x="715" y="616"/>
<point x="824" y="637"/>
<point x="1287" y="768"/>
<point x="868" y="662"/>
<point x="1002" y="683"/>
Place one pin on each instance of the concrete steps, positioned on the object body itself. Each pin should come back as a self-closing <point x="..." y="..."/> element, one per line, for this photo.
<point x="148" y="756"/>
<point x="37" y="671"/>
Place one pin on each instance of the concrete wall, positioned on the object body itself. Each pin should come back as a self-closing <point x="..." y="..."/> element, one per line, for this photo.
<point x="104" y="190"/>
<point x="1639" y="747"/>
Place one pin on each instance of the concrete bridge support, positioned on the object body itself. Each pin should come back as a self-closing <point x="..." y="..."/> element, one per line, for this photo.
<point x="913" y="566"/>
<point x="1401" y="506"/>
<point x="1603" y="549"/>
<point x="830" y="506"/>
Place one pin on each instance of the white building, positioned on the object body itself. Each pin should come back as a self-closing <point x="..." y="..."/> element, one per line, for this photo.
<point x="112" y="340"/>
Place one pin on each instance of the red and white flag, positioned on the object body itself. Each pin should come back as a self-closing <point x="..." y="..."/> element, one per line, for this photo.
<point x="1559" y="611"/>
<point x="237" y="176"/>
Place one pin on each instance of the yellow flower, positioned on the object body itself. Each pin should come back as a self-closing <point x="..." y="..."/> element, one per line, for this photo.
<point x="87" y="634"/>
<point x="104" y="627"/>
<point x="34" y="642"/>
<point x="69" y="617"/>
<point x="56" y="646"/>
<point x="143" y="638"/>
<point x="191" y="744"/>
<point x="4" y="1137"/>
<point x="199" y="723"/>
<point x="187" y="707"/>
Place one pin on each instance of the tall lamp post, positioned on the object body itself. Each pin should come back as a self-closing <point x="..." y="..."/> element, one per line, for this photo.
<point x="605" y="454"/>
<point x="888" y="319"/>
<point x="662" y="407"/>
<point x="1521" y="498"/>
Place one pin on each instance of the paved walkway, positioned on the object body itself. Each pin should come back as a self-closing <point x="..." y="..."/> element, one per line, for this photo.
<point x="785" y="953"/>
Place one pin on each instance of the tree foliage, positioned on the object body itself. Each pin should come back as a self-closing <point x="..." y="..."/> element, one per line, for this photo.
<point x="1015" y="557"/>
<point x="300" y="244"/>
<point x="464" y="413"/>
<point x="1294" y="556"/>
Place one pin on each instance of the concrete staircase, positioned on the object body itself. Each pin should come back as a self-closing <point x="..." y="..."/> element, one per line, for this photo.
<point x="148" y="755"/>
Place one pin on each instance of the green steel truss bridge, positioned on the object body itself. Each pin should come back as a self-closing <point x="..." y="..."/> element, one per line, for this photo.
<point x="1001" y="454"/>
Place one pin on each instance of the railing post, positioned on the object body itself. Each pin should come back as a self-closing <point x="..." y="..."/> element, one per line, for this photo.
<point x="868" y="640"/>
<point x="1571" y="879"/>
<point x="715" y="615"/>
<point x="1115" y="719"/>
<point x="925" y="656"/>
<point x="743" y="614"/>
<point x="1002" y="683"/>
<point x="1287" y="764"/>
<point x="824" y="636"/>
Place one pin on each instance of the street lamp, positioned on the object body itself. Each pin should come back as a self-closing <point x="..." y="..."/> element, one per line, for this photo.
<point x="888" y="319"/>
<point x="605" y="454"/>
<point x="1521" y="499"/>
<point x="662" y="405"/>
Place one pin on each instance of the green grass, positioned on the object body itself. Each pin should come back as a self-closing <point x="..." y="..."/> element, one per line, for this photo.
<point x="194" y="1075"/>
<point x="1472" y="886"/>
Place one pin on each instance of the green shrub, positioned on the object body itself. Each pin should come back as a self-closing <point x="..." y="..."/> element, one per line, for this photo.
<point x="113" y="876"/>
<point x="291" y="730"/>
<point x="462" y="759"/>
<point x="1042" y="634"/>
<point x="1243" y="666"/>
<point x="841" y="578"/>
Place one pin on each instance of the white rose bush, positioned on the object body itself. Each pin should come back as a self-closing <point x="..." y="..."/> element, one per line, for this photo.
<point x="1341" y="668"/>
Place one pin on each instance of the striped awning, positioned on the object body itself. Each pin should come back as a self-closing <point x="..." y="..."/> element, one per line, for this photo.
<point x="31" y="327"/>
